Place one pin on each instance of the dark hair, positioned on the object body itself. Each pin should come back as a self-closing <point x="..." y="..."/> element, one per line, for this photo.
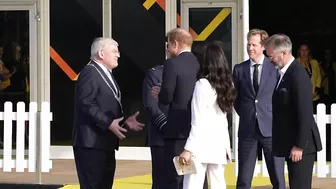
<point x="197" y="48"/>
<point x="214" y="67"/>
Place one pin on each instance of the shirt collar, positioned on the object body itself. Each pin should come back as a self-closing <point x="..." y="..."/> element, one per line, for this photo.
<point x="284" y="69"/>
<point x="103" y="67"/>
<point x="184" y="51"/>
<point x="260" y="61"/>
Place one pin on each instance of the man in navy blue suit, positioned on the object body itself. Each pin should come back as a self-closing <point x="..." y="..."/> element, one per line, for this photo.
<point x="255" y="81"/>
<point x="98" y="121"/>
<point x="159" y="121"/>
<point x="178" y="81"/>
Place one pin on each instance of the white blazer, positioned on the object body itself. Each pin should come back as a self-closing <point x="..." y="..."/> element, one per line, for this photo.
<point x="209" y="136"/>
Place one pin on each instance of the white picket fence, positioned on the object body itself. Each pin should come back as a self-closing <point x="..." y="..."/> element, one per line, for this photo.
<point x="37" y="157"/>
<point x="322" y="168"/>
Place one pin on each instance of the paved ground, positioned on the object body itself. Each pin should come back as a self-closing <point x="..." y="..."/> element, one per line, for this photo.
<point x="64" y="172"/>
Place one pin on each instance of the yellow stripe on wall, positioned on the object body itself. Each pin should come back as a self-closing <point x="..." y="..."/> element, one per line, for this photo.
<point x="213" y="24"/>
<point x="149" y="3"/>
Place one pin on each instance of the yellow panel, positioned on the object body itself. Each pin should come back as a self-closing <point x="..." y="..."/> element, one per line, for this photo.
<point x="213" y="24"/>
<point x="149" y="3"/>
<point x="144" y="181"/>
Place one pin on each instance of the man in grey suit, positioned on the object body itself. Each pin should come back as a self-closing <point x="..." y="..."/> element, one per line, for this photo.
<point x="255" y="80"/>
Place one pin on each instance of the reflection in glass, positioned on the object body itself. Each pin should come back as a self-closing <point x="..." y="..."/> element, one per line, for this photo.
<point x="14" y="60"/>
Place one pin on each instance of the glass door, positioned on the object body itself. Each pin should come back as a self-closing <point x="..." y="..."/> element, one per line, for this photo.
<point x="18" y="57"/>
<point x="18" y="52"/>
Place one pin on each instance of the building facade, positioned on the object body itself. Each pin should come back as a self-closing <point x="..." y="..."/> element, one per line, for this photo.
<point x="55" y="37"/>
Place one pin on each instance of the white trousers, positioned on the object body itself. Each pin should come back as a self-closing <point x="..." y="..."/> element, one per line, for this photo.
<point x="215" y="173"/>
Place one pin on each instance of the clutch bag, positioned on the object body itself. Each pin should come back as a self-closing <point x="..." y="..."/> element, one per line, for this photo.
<point x="185" y="169"/>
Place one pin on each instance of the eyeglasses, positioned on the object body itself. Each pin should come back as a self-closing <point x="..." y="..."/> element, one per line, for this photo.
<point x="116" y="52"/>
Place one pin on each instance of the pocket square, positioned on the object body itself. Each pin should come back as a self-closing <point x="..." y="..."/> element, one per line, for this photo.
<point x="282" y="89"/>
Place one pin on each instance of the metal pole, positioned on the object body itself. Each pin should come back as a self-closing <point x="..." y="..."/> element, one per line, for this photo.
<point x="246" y="26"/>
<point x="168" y="17"/>
<point x="107" y="18"/>
<point x="245" y="29"/>
<point x="38" y="148"/>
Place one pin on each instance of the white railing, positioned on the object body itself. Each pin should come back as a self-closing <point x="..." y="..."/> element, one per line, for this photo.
<point x="37" y="157"/>
<point x="322" y="168"/>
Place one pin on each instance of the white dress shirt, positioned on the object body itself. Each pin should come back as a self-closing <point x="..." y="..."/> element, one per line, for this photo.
<point x="283" y="70"/>
<point x="209" y="136"/>
<point x="108" y="73"/>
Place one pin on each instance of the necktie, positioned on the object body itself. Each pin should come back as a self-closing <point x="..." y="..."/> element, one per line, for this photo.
<point x="255" y="77"/>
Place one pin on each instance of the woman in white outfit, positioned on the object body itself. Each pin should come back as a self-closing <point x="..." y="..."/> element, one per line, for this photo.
<point x="209" y="140"/>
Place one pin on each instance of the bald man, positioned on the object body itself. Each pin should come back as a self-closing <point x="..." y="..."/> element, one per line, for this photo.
<point x="178" y="81"/>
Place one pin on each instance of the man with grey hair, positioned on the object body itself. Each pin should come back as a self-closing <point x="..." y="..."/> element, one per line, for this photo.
<point x="295" y="133"/>
<point x="98" y="119"/>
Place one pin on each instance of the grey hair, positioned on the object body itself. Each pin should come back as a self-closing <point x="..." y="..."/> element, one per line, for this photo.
<point x="101" y="43"/>
<point x="279" y="42"/>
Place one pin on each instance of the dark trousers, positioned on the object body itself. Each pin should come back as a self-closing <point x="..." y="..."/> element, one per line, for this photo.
<point x="300" y="173"/>
<point x="95" y="167"/>
<point x="158" y="168"/>
<point x="172" y="148"/>
<point x="247" y="156"/>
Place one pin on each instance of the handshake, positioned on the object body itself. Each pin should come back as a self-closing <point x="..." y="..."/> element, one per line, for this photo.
<point x="117" y="126"/>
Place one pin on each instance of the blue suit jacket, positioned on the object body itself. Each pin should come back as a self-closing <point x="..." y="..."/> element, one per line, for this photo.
<point x="157" y="112"/>
<point x="251" y="105"/>
<point x="178" y="82"/>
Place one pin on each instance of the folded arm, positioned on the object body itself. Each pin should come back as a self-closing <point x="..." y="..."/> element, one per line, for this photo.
<point x="158" y="118"/>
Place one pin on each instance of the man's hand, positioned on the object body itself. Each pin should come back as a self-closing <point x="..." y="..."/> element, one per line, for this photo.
<point x="155" y="91"/>
<point x="296" y="154"/>
<point x="133" y="124"/>
<point x="116" y="129"/>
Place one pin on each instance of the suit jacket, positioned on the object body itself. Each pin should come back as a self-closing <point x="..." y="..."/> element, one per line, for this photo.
<point x="95" y="109"/>
<point x="157" y="112"/>
<point x="178" y="82"/>
<point x="209" y="136"/>
<point x="251" y="105"/>
<point x="293" y="121"/>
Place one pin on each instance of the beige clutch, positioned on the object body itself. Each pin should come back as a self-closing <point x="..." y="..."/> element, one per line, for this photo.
<point x="191" y="168"/>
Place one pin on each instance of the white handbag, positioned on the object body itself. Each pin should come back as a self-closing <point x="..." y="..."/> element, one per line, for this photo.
<point x="191" y="168"/>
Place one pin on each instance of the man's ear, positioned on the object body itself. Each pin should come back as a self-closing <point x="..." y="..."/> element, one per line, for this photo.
<point x="175" y="43"/>
<point x="101" y="54"/>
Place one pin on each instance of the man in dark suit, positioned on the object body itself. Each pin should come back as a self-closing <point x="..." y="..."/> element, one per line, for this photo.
<point x="157" y="115"/>
<point x="295" y="133"/>
<point x="98" y="121"/>
<point x="255" y="80"/>
<point x="178" y="81"/>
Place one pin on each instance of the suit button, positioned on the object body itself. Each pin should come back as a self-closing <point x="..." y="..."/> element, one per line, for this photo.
<point x="256" y="101"/>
